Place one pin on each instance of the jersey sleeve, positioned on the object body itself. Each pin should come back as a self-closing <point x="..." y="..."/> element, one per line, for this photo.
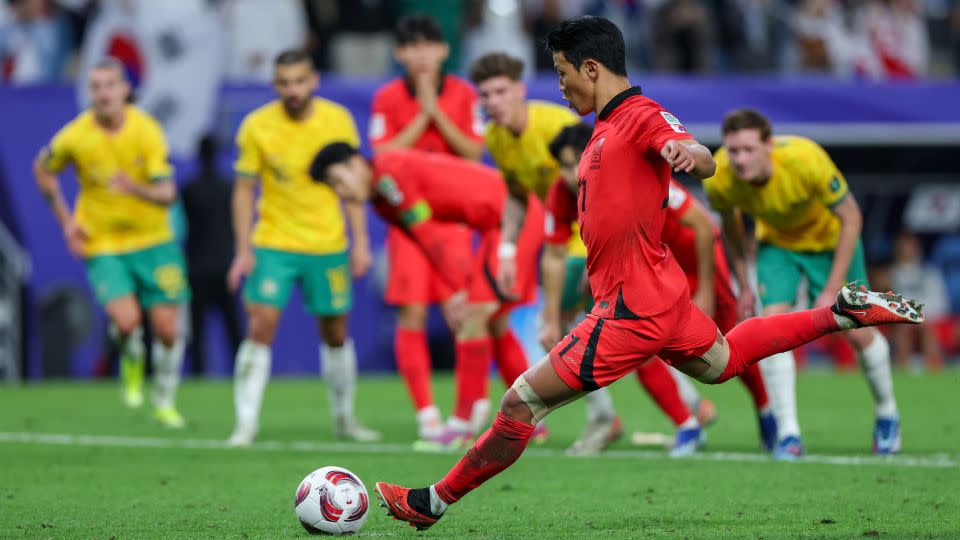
<point x="403" y="205"/>
<point x="155" y="148"/>
<point x="655" y="127"/>
<point x="823" y="176"/>
<point x="381" y="129"/>
<point x="57" y="154"/>
<point x="561" y="211"/>
<point x="678" y="199"/>
<point x="351" y="134"/>
<point x="249" y="158"/>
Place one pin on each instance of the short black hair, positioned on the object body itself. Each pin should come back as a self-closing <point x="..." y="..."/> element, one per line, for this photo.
<point x="329" y="155"/>
<point x="292" y="56"/>
<point x="589" y="37"/>
<point x="576" y="136"/>
<point x="417" y="27"/>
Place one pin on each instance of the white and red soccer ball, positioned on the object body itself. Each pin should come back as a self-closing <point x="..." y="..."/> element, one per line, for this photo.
<point x="332" y="500"/>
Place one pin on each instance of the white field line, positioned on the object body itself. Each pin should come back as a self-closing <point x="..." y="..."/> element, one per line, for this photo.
<point x="935" y="461"/>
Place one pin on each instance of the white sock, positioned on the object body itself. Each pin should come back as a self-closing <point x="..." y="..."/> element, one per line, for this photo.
<point x="437" y="506"/>
<point x="458" y="424"/>
<point x="875" y="362"/>
<point x="688" y="392"/>
<point x="690" y="423"/>
<point x="251" y="373"/>
<point x="428" y="415"/>
<point x="479" y="414"/>
<point x="166" y="372"/>
<point x="780" y="375"/>
<point x="131" y="347"/>
<point x="600" y="406"/>
<point x="340" y="371"/>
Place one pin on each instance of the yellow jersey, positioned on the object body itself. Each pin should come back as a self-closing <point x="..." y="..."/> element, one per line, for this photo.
<point x="296" y="213"/>
<point x="115" y="222"/>
<point x="793" y="210"/>
<point x="527" y="160"/>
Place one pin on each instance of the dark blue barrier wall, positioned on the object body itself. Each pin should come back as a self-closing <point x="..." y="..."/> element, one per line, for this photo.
<point x="851" y="112"/>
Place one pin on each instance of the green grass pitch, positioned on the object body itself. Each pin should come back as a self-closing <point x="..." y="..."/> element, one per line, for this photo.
<point x="75" y="464"/>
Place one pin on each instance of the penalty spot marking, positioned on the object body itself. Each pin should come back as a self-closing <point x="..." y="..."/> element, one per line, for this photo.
<point x="934" y="461"/>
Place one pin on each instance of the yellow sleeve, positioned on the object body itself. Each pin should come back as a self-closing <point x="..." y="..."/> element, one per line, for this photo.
<point x="824" y="178"/>
<point x="249" y="159"/>
<point x="56" y="155"/>
<point x="158" y="165"/>
<point x="350" y="126"/>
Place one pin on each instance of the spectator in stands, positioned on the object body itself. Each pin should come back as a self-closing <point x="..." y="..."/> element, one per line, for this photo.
<point x="206" y="204"/>
<point x="821" y="40"/>
<point x="30" y="44"/>
<point x="914" y="278"/>
<point x="681" y="37"/>
<point x="257" y="31"/>
<point x="899" y="42"/>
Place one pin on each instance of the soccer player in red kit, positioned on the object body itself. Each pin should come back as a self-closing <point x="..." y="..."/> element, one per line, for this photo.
<point x="411" y="189"/>
<point x="427" y="110"/>
<point x="642" y="306"/>
<point x="694" y="240"/>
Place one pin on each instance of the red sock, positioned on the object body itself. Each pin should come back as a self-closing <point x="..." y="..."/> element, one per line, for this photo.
<point x="511" y="359"/>
<point x="470" y="372"/>
<point x="757" y="338"/>
<point x="753" y="380"/>
<point x="655" y="377"/>
<point x="493" y="452"/>
<point x="413" y="363"/>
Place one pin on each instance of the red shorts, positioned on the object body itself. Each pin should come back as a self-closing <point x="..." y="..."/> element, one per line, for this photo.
<point x="599" y="351"/>
<point x="482" y="286"/>
<point x="411" y="278"/>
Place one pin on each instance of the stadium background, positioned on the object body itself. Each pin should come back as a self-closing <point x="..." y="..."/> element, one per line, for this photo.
<point x="849" y="74"/>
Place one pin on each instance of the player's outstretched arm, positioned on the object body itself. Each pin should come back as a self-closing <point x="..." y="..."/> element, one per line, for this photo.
<point x="514" y="214"/>
<point x="553" y="267"/>
<point x="689" y="156"/>
<point x="242" y="207"/>
<point x="851" y="224"/>
<point x="696" y="218"/>
<point x="736" y="239"/>
<point x="49" y="186"/>
<point x="360" y="256"/>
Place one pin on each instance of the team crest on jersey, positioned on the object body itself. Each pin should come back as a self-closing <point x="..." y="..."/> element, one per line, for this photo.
<point x="673" y="122"/>
<point x="387" y="188"/>
<point x="595" y="155"/>
<point x="835" y="184"/>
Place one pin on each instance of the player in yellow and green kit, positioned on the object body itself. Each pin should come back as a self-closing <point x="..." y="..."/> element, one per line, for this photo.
<point x="518" y="136"/>
<point x="808" y="226"/>
<point x="120" y="227"/>
<point x="300" y="238"/>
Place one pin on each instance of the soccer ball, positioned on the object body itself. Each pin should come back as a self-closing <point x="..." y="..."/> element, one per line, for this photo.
<point x="332" y="500"/>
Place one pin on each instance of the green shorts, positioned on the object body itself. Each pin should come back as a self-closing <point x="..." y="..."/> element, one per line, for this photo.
<point x="779" y="272"/>
<point x="155" y="275"/>
<point x="573" y="297"/>
<point x="324" y="280"/>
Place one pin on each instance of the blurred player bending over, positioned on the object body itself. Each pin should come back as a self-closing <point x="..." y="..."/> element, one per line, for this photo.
<point x="808" y="225"/>
<point x="642" y="305"/>
<point x="299" y="238"/>
<point x="518" y="138"/>
<point x="412" y="190"/>
<point x="694" y="241"/>
<point x="121" y="228"/>
<point x="427" y="110"/>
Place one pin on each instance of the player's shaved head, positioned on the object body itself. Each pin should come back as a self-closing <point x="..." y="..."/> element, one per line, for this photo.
<point x="591" y="37"/>
<point x="291" y="57"/>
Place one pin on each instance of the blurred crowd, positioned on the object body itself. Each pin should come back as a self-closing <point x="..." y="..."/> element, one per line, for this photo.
<point x="42" y="40"/>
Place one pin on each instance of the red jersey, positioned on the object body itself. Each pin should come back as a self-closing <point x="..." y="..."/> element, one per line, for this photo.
<point x="395" y="105"/>
<point x="622" y="199"/>
<point x="561" y="213"/>
<point x="413" y="190"/>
